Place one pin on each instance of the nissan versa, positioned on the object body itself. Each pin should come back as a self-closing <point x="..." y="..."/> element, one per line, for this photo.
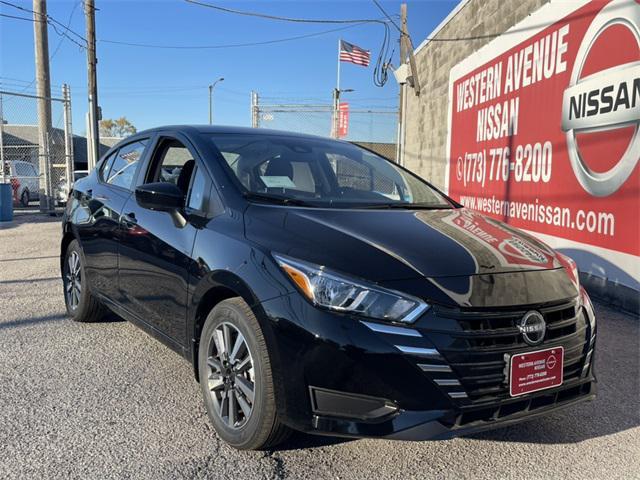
<point x="317" y="286"/>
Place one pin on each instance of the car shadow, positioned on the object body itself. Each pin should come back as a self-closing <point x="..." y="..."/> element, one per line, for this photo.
<point x="302" y="441"/>
<point x="109" y="317"/>
<point x="21" y="217"/>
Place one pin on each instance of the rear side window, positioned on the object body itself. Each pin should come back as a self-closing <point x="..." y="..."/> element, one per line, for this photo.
<point x="125" y="163"/>
<point x="106" y="166"/>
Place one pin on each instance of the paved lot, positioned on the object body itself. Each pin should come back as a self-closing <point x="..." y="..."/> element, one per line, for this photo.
<point x="106" y="400"/>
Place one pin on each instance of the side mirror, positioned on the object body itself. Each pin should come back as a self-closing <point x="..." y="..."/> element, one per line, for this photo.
<point x="163" y="197"/>
<point x="160" y="196"/>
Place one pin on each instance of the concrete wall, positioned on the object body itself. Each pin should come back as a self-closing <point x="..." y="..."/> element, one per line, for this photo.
<point x="477" y="22"/>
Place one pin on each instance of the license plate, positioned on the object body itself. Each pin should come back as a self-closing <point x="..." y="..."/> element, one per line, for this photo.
<point x="535" y="371"/>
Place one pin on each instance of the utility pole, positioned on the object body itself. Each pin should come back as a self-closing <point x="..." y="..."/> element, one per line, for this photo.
<point x="336" y="106"/>
<point x="43" y="85"/>
<point x="68" y="136"/>
<point x="405" y="39"/>
<point x="92" y="80"/>
<point x="401" y="109"/>
<point x="255" y="110"/>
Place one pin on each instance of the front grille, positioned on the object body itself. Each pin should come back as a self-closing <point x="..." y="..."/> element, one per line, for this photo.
<point x="505" y="411"/>
<point x="477" y="343"/>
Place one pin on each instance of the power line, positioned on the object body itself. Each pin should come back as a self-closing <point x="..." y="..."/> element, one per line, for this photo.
<point x="380" y="71"/>
<point x="52" y="22"/>
<point x="49" y="18"/>
<point x="387" y="15"/>
<point x="16" y="18"/>
<point x="280" y="18"/>
<point x="52" y="56"/>
<point x="73" y="11"/>
<point x="229" y="45"/>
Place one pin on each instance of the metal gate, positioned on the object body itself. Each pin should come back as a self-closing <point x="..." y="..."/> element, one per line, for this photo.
<point x="374" y="128"/>
<point x="39" y="165"/>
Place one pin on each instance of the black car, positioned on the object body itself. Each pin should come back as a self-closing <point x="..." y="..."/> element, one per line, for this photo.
<point x="317" y="286"/>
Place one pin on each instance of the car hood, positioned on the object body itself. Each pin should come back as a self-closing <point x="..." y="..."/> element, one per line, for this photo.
<point x="384" y="245"/>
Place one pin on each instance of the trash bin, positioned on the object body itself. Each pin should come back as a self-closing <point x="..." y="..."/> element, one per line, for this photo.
<point x="6" y="202"/>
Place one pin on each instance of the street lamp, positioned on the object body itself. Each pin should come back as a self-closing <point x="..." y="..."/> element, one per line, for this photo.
<point x="211" y="99"/>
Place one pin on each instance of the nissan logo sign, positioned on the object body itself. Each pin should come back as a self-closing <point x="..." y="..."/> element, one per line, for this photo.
<point x="606" y="100"/>
<point x="532" y="327"/>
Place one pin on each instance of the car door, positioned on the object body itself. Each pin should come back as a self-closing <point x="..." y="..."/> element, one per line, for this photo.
<point x="155" y="253"/>
<point x="101" y="203"/>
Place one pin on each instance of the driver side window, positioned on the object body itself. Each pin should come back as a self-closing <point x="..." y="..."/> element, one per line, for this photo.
<point x="173" y="163"/>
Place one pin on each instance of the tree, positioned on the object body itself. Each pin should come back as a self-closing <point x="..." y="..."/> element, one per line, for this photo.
<point x="116" y="128"/>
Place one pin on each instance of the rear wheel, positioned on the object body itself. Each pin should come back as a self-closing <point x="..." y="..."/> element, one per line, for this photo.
<point x="82" y="306"/>
<point x="236" y="378"/>
<point x="24" y="198"/>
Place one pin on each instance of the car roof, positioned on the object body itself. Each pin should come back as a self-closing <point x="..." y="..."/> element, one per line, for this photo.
<point x="220" y="129"/>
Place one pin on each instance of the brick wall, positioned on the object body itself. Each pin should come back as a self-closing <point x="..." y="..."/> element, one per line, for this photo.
<point x="427" y="114"/>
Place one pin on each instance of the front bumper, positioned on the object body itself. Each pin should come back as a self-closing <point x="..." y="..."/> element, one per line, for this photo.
<point x="434" y="381"/>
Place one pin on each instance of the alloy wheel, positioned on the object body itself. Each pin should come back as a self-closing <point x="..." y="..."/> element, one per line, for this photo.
<point x="73" y="280"/>
<point x="230" y="375"/>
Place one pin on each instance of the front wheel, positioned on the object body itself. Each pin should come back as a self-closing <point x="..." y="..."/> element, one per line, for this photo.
<point x="82" y="305"/>
<point x="236" y="378"/>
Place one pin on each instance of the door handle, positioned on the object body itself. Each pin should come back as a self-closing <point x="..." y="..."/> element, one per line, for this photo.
<point x="130" y="219"/>
<point x="101" y="198"/>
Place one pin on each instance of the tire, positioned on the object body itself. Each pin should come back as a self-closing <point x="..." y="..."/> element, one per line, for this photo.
<point x="226" y="377"/>
<point x="82" y="305"/>
<point x="24" y="198"/>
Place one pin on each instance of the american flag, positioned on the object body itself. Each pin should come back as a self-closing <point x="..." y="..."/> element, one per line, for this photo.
<point x="354" y="54"/>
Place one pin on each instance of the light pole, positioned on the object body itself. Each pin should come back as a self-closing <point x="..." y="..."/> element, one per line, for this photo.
<point x="211" y="99"/>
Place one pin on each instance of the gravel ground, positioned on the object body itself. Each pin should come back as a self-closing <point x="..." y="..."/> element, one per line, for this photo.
<point x="106" y="400"/>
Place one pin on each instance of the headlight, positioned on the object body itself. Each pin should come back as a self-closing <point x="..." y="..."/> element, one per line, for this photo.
<point x="337" y="292"/>
<point x="571" y="268"/>
<point x="585" y="301"/>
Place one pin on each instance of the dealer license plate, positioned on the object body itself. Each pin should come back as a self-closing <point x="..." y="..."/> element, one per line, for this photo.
<point x="534" y="371"/>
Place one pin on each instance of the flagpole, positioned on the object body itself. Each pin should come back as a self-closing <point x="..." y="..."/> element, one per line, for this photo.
<point x="336" y="98"/>
<point x="338" y="79"/>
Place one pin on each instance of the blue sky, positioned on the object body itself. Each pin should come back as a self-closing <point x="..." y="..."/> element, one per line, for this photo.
<point x="160" y="86"/>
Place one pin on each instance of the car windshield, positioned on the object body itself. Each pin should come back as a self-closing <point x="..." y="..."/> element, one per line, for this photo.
<point x="321" y="173"/>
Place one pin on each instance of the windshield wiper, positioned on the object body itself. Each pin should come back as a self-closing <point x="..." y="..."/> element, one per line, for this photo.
<point x="278" y="199"/>
<point x="406" y="206"/>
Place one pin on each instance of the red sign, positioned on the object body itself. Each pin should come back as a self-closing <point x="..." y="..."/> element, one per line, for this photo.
<point x="533" y="371"/>
<point x="545" y="127"/>
<point x="343" y="119"/>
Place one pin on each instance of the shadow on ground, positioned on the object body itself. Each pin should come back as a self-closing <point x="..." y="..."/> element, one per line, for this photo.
<point x="30" y="321"/>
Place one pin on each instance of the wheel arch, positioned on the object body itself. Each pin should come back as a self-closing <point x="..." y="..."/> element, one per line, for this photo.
<point x="67" y="238"/>
<point x="216" y="287"/>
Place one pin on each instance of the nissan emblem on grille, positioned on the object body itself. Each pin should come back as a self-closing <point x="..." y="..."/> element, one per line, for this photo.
<point x="532" y="327"/>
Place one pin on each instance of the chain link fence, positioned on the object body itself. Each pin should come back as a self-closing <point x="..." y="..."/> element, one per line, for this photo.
<point x="373" y="128"/>
<point x="38" y="164"/>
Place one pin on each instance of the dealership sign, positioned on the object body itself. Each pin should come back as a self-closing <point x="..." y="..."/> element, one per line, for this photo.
<point x="544" y="125"/>
<point x="343" y="119"/>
